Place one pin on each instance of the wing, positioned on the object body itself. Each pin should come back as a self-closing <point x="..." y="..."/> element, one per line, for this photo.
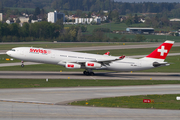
<point x="102" y="61"/>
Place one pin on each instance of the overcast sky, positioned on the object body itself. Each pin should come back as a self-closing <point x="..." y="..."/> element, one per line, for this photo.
<point x="148" y="0"/>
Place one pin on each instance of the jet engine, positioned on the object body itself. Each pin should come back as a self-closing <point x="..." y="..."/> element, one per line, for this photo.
<point x="72" y="66"/>
<point x="92" y="65"/>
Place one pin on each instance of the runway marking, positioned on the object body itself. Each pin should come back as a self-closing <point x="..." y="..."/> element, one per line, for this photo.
<point x="29" y="102"/>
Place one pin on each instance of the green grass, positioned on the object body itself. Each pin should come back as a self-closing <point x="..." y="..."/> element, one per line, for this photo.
<point x="160" y="102"/>
<point x="123" y="26"/>
<point x="160" y="38"/>
<point x="31" y="83"/>
<point x="21" y="9"/>
<point x="3" y="59"/>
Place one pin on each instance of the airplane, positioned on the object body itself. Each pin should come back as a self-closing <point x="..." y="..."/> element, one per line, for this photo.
<point x="90" y="62"/>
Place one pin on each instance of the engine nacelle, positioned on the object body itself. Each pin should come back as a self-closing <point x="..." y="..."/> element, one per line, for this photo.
<point x="72" y="66"/>
<point x="92" y="65"/>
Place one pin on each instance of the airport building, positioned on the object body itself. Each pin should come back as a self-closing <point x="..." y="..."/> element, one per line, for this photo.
<point x="54" y="16"/>
<point x="140" y="30"/>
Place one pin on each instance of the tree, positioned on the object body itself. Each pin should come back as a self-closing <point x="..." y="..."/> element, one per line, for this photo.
<point x="89" y="15"/>
<point x="37" y="11"/>
<point x="79" y="13"/>
<point x="79" y="35"/>
<point x="18" y="21"/>
<point x="136" y="19"/>
<point x="128" y="22"/>
<point x="25" y="30"/>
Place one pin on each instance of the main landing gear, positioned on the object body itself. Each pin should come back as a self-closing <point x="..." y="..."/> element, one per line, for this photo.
<point x="88" y="72"/>
<point x="22" y="65"/>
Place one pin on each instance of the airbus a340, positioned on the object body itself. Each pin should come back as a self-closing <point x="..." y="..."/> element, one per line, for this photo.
<point x="89" y="62"/>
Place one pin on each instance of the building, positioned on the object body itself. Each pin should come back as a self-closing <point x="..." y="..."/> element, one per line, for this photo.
<point x="1" y="17"/>
<point x="9" y="21"/>
<point x="24" y="19"/>
<point x="175" y="20"/>
<point x="54" y="16"/>
<point x="87" y="20"/>
<point x="33" y="21"/>
<point x="140" y="30"/>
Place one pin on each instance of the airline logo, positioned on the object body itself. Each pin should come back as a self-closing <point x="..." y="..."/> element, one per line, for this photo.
<point x="32" y="50"/>
<point x="162" y="50"/>
<point x="70" y="66"/>
<point x="90" y="64"/>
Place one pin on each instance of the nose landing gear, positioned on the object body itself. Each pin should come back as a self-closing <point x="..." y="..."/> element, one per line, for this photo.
<point x="22" y="65"/>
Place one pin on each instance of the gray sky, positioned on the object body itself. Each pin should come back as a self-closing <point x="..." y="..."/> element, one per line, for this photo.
<point x="148" y="0"/>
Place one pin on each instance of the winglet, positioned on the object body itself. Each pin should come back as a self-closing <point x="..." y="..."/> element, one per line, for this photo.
<point x="107" y="53"/>
<point x="122" y="57"/>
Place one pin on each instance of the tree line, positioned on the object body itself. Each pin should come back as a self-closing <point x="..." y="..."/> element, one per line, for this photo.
<point x="29" y="32"/>
<point x="46" y="31"/>
<point x="92" y="5"/>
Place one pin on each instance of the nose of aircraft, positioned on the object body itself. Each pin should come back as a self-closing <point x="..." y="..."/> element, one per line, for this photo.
<point x="8" y="53"/>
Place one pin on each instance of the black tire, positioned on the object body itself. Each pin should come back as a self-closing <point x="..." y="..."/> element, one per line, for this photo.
<point x="22" y="65"/>
<point x="91" y="73"/>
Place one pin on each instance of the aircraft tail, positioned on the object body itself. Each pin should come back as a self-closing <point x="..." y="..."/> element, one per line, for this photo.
<point x="161" y="52"/>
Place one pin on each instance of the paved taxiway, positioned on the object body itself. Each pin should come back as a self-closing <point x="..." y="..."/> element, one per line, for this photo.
<point x="60" y="96"/>
<point x="148" y="45"/>
<point x="98" y="75"/>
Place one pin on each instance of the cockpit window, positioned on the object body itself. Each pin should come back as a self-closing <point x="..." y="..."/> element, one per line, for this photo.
<point x="13" y="50"/>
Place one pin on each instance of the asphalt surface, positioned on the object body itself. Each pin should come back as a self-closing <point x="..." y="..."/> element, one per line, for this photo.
<point x="98" y="75"/>
<point x="51" y="103"/>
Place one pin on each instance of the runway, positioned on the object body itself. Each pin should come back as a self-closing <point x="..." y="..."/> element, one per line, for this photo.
<point x="59" y="97"/>
<point x="98" y="75"/>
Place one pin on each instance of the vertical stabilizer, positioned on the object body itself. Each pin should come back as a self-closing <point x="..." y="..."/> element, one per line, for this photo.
<point x="161" y="52"/>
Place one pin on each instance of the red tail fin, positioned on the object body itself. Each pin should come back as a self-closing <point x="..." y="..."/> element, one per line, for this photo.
<point x="162" y="51"/>
<point x="107" y="53"/>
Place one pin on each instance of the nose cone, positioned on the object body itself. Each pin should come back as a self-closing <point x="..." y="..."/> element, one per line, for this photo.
<point x="8" y="53"/>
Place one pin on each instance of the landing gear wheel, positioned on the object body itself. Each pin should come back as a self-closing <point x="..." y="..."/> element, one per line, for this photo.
<point x="22" y="65"/>
<point x="88" y="73"/>
<point x="85" y="73"/>
<point x="91" y="73"/>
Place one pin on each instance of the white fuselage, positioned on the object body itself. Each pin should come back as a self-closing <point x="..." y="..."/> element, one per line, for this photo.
<point x="63" y="57"/>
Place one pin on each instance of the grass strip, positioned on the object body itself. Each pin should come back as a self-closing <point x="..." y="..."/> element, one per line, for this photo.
<point x="160" y="102"/>
<point x="66" y="45"/>
<point x="35" y="83"/>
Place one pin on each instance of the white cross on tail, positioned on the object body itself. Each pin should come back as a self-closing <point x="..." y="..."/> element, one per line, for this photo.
<point x="162" y="50"/>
